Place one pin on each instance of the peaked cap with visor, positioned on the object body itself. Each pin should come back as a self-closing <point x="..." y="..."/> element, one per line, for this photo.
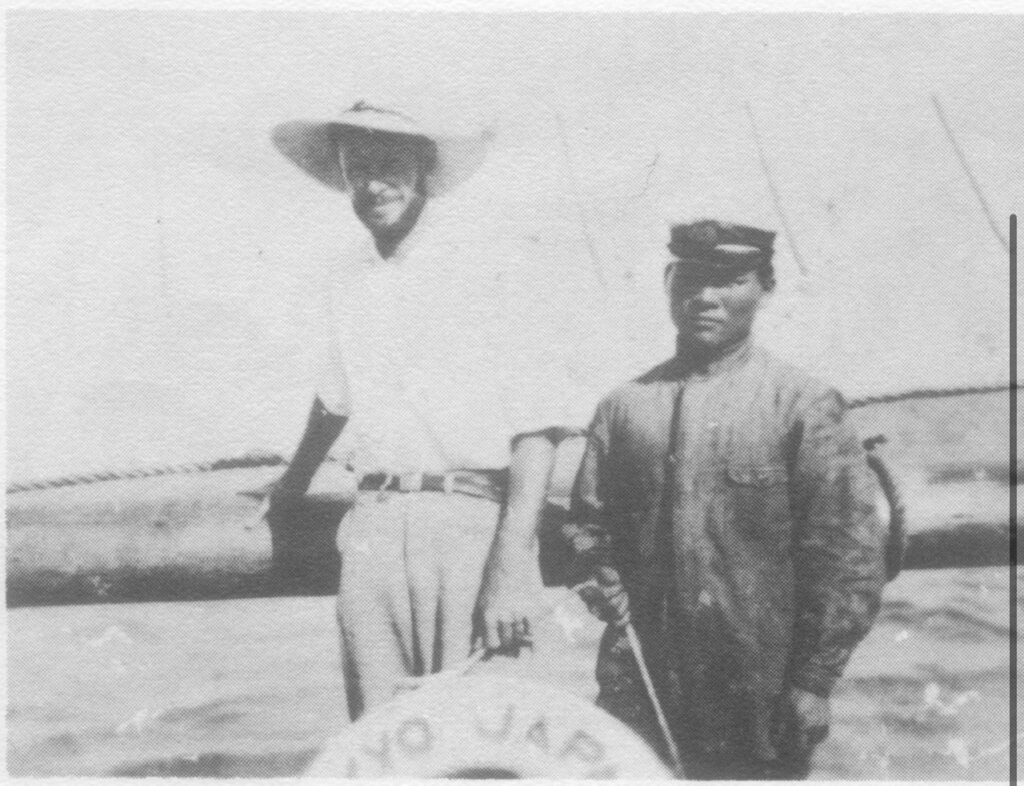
<point x="720" y="246"/>
<point x="313" y="146"/>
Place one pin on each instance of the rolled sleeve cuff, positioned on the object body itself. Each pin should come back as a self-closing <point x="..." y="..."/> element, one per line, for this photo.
<point x="554" y="434"/>
<point x="334" y="403"/>
<point x="558" y="412"/>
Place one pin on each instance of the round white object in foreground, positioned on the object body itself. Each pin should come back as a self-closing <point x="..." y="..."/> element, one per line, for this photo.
<point x="481" y="727"/>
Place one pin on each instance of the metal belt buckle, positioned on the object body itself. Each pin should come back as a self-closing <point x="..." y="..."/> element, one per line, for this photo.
<point x="449" y="482"/>
<point x="410" y="481"/>
<point x="382" y="492"/>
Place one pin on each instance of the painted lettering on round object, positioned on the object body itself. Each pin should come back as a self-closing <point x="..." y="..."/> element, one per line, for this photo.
<point x="534" y="731"/>
<point x="416" y="737"/>
<point x="413" y="737"/>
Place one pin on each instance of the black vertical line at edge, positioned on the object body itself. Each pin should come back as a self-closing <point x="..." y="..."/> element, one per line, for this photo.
<point x="1013" y="499"/>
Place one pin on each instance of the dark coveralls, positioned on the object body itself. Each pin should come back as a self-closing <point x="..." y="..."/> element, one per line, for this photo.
<point x="735" y="501"/>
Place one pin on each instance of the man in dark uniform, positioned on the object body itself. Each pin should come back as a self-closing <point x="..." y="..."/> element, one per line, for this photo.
<point x="724" y="505"/>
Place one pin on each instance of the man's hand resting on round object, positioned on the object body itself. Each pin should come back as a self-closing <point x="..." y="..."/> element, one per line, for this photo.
<point x="510" y="601"/>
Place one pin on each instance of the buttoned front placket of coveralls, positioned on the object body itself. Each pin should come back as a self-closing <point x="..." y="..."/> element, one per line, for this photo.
<point x="662" y="591"/>
<point x="680" y="612"/>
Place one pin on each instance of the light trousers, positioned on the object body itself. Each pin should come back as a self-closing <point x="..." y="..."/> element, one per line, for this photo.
<point x="411" y="566"/>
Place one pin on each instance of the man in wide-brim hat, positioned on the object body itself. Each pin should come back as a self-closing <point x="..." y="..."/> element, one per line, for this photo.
<point x="417" y="379"/>
<point x="387" y="162"/>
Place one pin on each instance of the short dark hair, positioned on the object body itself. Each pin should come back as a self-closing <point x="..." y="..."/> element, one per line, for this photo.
<point x="766" y="274"/>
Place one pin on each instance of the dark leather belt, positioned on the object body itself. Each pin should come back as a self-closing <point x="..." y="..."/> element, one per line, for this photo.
<point x="486" y="484"/>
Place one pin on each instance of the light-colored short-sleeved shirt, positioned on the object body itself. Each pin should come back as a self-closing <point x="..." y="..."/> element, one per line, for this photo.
<point x="440" y="355"/>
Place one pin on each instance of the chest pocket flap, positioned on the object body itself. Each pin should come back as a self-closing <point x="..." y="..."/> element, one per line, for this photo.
<point x="757" y="500"/>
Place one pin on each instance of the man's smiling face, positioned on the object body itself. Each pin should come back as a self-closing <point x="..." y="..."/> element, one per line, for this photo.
<point x="385" y="174"/>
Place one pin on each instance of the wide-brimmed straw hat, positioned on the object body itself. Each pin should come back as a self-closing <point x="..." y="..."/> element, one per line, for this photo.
<point x="313" y="146"/>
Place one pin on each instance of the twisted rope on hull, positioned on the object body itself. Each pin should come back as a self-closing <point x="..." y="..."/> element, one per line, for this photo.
<point x="191" y="468"/>
<point x="256" y="460"/>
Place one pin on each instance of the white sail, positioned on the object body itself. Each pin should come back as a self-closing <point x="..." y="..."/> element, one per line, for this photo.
<point x="161" y="253"/>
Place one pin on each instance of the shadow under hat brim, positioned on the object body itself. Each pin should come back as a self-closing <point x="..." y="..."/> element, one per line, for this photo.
<point x="313" y="147"/>
<point x="738" y="264"/>
<point x="700" y="266"/>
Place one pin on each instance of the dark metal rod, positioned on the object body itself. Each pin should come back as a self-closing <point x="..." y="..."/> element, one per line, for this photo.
<point x="652" y="694"/>
<point x="1013" y="499"/>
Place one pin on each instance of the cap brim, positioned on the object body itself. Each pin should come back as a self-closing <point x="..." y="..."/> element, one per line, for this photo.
<point x="313" y="148"/>
<point x="719" y="265"/>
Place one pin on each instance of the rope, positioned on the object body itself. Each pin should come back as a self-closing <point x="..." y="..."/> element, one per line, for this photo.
<point x="255" y="460"/>
<point x="776" y="196"/>
<point x="247" y="461"/>
<point x="588" y="238"/>
<point x="458" y="670"/>
<point x="925" y="393"/>
<point x="975" y="185"/>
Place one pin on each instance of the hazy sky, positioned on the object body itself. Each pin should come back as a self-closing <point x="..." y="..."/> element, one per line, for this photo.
<point x="161" y="253"/>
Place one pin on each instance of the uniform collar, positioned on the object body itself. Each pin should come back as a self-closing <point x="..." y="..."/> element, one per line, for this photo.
<point x="686" y="364"/>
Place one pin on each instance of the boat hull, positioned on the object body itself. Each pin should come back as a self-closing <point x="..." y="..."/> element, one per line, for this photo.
<point x="201" y="538"/>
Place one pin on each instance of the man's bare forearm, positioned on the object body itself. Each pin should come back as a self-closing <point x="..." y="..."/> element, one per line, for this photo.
<point x="322" y="429"/>
<point x="509" y="601"/>
<point x="530" y="469"/>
